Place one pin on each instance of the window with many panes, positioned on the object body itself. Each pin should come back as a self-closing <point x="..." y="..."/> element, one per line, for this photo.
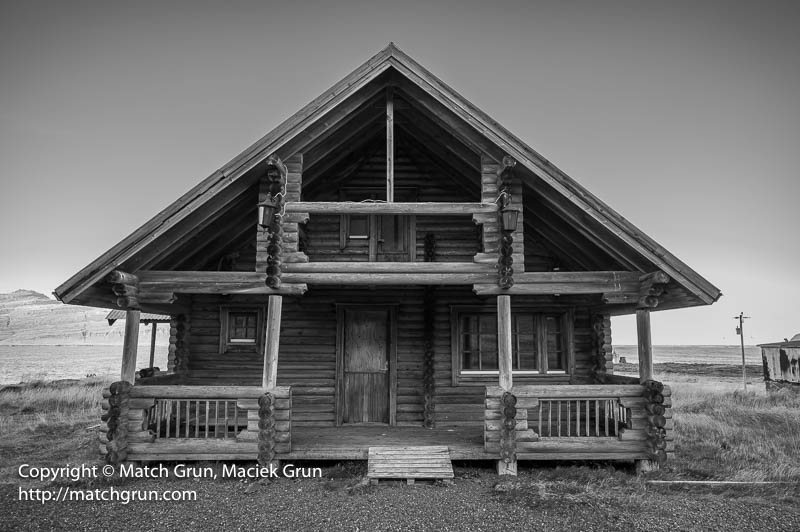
<point x="538" y="342"/>
<point x="240" y="328"/>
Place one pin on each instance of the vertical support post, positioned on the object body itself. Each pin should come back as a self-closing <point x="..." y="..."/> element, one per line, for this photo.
<point x="645" y="345"/>
<point x="504" y="341"/>
<point x="153" y="345"/>
<point x="129" y="346"/>
<point x="273" y="342"/>
<point x="389" y="144"/>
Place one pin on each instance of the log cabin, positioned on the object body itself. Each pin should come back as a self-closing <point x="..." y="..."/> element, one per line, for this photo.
<point x="389" y="268"/>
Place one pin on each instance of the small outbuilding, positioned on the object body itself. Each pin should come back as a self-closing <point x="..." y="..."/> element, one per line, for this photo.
<point x="782" y="364"/>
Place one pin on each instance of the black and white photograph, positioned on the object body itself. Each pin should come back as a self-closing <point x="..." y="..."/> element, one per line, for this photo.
<point x="400" y="265"/>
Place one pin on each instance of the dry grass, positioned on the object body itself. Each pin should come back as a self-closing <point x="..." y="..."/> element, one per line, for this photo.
<point x="49" y="423"/>
<point x="727" y="434"/>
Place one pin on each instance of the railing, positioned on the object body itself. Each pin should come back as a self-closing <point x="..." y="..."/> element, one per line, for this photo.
<point x="195" y="418"/>
<point x="185" y="422"/>
<point x="573" y="422"/>
<point x="573" y="417"/>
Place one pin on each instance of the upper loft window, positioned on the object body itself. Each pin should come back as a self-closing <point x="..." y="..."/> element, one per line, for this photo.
<point x="357" y="226"/>
<point x="240" y="328"/>
<point x="382" y="237"/>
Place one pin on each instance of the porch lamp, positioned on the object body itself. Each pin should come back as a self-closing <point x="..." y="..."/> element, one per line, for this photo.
<point x="276" y="174"/>
<point x="266" y="211"/>
<point x="508" y="218"/>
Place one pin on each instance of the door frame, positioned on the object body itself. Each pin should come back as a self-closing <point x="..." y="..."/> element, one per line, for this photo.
<point x="392" y="355"/>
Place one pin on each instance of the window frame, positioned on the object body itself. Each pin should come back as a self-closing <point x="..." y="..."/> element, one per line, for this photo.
<point x="374" y="236"/>
<point x="567" y="322"/>
<point x="226" y="344"/>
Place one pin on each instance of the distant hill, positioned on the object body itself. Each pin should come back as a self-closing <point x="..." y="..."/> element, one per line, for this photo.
<point x="28" y="317"/>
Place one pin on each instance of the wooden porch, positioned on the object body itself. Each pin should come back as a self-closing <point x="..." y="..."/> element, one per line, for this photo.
<point x="353" y="442"/>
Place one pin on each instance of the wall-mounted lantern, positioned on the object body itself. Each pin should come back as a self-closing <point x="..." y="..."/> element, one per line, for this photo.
<point x="508" y="218"/>
<point x="267" y="210"/>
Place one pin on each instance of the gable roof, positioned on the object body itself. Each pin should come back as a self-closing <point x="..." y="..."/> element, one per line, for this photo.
<point x="325" y="111"/>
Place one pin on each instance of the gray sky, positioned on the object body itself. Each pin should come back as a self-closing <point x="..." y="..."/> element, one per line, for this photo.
<point x="683" y="116"/>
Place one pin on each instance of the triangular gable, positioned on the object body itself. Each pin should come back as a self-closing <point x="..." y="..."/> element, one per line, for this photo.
<point x="437" y="97"/>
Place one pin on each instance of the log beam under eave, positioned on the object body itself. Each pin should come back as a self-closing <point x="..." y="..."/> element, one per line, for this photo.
<point x="410" y="208"/>
<point x="624" y="284"/>
<point x="156" y="286"/>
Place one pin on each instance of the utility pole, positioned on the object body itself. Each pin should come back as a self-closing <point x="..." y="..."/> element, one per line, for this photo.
<point x="740" y="331"/>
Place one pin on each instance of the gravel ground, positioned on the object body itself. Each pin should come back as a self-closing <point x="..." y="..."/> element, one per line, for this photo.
<point x="552" y="499"/>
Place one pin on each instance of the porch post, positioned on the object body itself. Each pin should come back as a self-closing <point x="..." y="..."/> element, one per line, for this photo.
<point x="153" y="345"/>
<point x="129" y="346"/>
<point x="504" y="341"/>
<point x="273" y="341"/>
<point x="504" y="364"/>
<point x="645" y="345"/>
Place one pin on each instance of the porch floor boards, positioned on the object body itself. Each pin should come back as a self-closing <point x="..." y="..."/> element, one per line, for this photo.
<point x="353" y="442"/>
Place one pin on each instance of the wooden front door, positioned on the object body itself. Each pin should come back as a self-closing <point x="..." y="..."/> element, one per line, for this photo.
<point x="364" y="376"/>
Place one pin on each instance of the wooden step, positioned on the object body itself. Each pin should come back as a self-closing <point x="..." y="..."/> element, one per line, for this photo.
<point x="409" y="463"/>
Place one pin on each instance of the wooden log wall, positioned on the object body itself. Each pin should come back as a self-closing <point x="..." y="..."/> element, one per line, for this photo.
<point x="601" y="345"/>
<point x="307" y="359"/>
<point x="290" y="237"/>
<point x="489" y="223"/>
<point x="641" y="428"/>
<point x="490" y="189"/>
<point x="178" y="351"/>
<point x="123" y="417"/>
<point x="457" y="236"/>
<point x="278" y="427"/>
<point x="457" y="239"/>
<point x="497" y="410"/>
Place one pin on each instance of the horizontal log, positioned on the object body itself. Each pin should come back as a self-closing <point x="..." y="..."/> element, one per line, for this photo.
<point x="120" y="277"/>
<point x="192" y="446"/>
<point x="581" y="391"/>
<point x="349" y="207"/>
<point x="494" y="413"/>
<point x="389" y="278"/>
<point x="186" y="457"/>
<point x="388" y="267"/>
<point x="205" y="392"/>
<point x="493" y="403"/>
<point x="582" y="444"/>
<point x="252" y="404"/>
<point x="532" y="283"/>
<point x="654" y="278"/>
<point x="496" y="424"/>
<point x="622" y="455"/>
<point x="155" y="282"/>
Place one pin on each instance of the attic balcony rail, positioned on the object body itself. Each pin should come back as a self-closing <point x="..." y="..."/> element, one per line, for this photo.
<point x="351" y="207"/>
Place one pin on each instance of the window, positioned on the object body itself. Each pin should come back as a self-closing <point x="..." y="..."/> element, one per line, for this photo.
<point x="240" y="328"/>
<point x="539" y="342"/>
<point x="383" y="238"/>
<point x="357" y="226"/>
